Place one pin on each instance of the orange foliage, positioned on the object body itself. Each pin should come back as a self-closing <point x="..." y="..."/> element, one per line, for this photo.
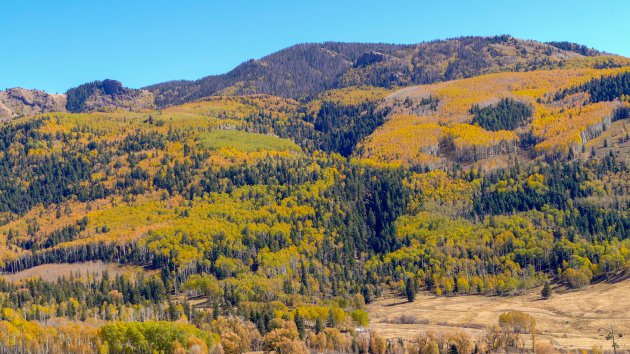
<point x="413" y="132"/>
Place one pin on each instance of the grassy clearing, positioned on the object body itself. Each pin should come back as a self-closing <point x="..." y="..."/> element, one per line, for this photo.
<point x="52" y="272"/>
<point x="569" y="320"/>
<point x="247" y="142"/>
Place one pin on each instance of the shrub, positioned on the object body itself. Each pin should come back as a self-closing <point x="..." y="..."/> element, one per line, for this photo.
<point x="360" y="317"/>
<point x="576" y="278"/>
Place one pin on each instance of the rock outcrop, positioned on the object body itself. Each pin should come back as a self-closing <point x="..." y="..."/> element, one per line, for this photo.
<point x="107" y="95"/>
<point x="18" y="102"/>
<point x="370" y="58"/>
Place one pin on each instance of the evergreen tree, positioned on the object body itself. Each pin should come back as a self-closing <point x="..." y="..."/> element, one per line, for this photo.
<point x="508" y="114"/>
<point x="319" y="325"/>
<point x="299" y="324"/>
<point x="546" y="291"/>
<point x="215" y="310"/>
<point x="330" y="320"/>
<point x="410" y="289"/>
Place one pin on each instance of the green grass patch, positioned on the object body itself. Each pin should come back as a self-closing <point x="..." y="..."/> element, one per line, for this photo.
<point x="246" y="142"/>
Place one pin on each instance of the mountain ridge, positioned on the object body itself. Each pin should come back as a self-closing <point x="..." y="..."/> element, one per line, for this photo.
<point x="400" y="65"/>
<point x="307" y="69"/>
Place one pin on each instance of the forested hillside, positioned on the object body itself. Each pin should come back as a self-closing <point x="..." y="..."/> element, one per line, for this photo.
<point x="479" y="121"/>
<point x="106" y="95"/>
<point x="308" y="69"/>
<point x="234" y="221"/>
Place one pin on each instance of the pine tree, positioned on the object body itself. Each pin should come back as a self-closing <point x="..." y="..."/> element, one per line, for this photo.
<point x="330" y="320"/>
<point x="299" y="324"/>
<point x="546" y="291"/>
<point x="215" y="310"/>
<point x="410" y="290"/>
<point x="367" y="295"/>
<point x="319" y="325"/>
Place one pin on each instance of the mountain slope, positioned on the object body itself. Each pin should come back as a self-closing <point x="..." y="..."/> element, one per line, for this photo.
<point x="17" y="102"/>
<point x="305" y="70"/>
<point x="308" y="69"/>
<point x="435" y="125"/>
<point x="240" y="223"/>
<point x="300" y="70"/>
<point x="221" y="218"/>
<point x="106" y="95"/>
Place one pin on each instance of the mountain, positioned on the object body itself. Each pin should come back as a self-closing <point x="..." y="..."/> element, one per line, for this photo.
<point x="307" y="69"/>
<point x="18" y="102"/>
<point x="300" y="70"/>
<point x="469" y="170"/>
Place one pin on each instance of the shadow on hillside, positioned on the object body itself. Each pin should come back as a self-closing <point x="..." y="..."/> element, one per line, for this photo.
<point x="612" y="279"/>
<point x="397" y="303"/>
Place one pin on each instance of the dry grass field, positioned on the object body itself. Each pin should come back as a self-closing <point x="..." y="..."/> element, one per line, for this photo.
<point x="52" y="272"/>
<point x="569" y="320"/>
<point x="614" y="139"/>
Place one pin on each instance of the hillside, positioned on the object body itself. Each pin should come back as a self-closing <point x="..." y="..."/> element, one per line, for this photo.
<point x="19" y="102"/>
<point x="439" y="125"/>
<point x="215" y="221"/>
<point x="106" y="95"/>
<point x="305" y="70"/>
<point x="308" y="69"/>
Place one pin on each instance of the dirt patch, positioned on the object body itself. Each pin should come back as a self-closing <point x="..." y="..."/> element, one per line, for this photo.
<point x="569" y="320"/>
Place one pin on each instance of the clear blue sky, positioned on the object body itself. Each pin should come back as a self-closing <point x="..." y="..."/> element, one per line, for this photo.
<point x="56" y="44"/>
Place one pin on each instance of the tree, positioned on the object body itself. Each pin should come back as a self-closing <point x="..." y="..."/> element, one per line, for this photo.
<point x="611" y="336"/>
<point x="319" y="325"/>
<point x="283" y="341"/>
<point x="546" y="291"/>
<point x="378" y="345"/>
<point x="410" y="290"/>
<point x="577" y="278"/>
<point x="299" y="324"/>
<point x="330" y="320"/>
<point x="215" y="310"/>
<point x="517" y="322"/>
<point x="508" y="114"/>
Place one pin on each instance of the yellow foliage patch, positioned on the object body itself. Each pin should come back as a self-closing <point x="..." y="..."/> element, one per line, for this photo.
<point x="413" y="132"/>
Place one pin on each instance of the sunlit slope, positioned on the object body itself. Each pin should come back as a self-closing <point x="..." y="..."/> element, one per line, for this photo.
<point x="128" y="172"/>
<point x="306" y="70"/>
<point x="432" y="124"/>
<point x="116" y="160"/>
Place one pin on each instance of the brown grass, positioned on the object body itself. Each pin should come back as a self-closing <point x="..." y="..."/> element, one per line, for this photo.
<point x="569" y="320"/>
<point x="52" y="272"/>
<point x="615" y="135"/>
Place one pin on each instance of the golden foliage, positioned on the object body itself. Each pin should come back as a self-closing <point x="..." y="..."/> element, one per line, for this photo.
<point x="349" y="96"/>
<point x="413" y="132"/>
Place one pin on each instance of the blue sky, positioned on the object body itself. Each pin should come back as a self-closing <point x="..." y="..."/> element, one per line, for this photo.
<point x="54" y="45"/>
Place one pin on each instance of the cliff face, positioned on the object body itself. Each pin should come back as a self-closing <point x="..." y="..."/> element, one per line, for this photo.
<point x="18" y="102"/>
<point x="133" y="100"/>
<point x="370" y="58"/>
